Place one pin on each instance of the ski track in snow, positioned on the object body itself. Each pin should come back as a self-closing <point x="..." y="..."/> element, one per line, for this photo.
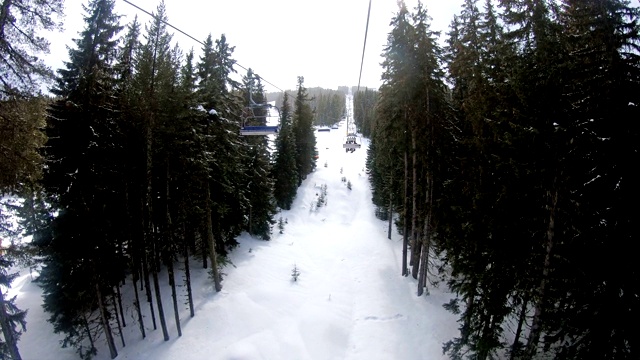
<point x="350" y="301"/>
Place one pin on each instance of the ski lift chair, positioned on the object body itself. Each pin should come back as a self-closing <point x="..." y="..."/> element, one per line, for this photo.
<point x="351" y="143"/>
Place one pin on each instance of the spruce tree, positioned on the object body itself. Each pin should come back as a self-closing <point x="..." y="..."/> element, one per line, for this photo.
<point x="10" y="315"/>
<point x="284" y="169"/>
<point x="304" y="134"/>
<point x="155" y="82"/>
<point x="258" y="181"/>
<point x="21" y="44"/>
<point x="364" y="110"/>
<point x="21" y="121"/>
<point x="393" y="109"/>
<point x="474" y="194"/>
<point x="597" y="144"/>
<point x="83" y="177"/>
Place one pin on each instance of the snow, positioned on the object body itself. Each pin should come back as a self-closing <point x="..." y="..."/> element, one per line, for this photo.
<point x="349" y="301"/>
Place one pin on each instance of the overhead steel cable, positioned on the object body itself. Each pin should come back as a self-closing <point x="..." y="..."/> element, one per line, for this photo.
<point x="193" y="38"/>
<point x="366" y="31"/>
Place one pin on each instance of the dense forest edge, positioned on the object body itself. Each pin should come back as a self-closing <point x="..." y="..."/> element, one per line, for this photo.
<point x="505" y="157"/>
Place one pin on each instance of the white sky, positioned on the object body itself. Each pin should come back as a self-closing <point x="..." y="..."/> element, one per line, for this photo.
<point x="278" y="39"/>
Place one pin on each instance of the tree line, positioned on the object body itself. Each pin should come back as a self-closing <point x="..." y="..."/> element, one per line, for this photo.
<point x="328" y="105"/>
<point x="364" y="110"/>
<point x="509" y="155"/>
<point x="134" y="166"/>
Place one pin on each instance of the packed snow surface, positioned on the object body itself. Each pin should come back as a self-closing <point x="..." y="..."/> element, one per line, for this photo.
<point x="349" y="301"/>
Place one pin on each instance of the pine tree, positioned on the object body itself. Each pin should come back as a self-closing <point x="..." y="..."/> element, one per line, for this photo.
<point x="258" y="180"/>
<point x="393" y="111"/>
<point x="432" y="126"/>
<point x="474" y="41"/>
<point x="21" y="123"/>
<point x="82" y="175"/>
<point x="10" y="315"/>
<point x="364" y="110"/>
<point x="304" y="134"/>
<point x="20" y="20"/>
<point x="156" y="81"/>
<point x="284" y="169"/>
<point x="597" y="143"/>
<point x="226" y="202"/>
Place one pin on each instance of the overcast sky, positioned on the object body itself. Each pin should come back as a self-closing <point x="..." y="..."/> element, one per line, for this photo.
<point x="280" y="40"/>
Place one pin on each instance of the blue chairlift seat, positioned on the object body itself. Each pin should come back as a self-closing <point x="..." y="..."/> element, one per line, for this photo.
<point x="258" y="130"/>
<point x="351" y="143"/>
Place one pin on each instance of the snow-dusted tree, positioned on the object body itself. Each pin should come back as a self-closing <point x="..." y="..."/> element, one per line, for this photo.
<point x="305" y="138"/>
<point x="258" y="180"/>
<point x="10" y="316"/>
<point x="21" y="70"/>
<point x="83" y="178"/>
<point x="284" y="169"/>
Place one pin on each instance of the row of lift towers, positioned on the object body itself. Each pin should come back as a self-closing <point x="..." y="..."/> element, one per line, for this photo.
<point x="258" y="113"/>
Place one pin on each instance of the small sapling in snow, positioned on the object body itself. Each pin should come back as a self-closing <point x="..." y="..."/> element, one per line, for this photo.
<point x="295" y="273"/>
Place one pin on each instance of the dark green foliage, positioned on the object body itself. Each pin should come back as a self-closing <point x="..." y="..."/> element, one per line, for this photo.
<point x="364" y="110"/>
<point x="228" y="154"/>
<point x="21" y="137"/>
<point x="328" y="105"/>
<point x="303" y="131"/>
<point x="83" y="177"/>
<point x="12" y="319"/>
<point x="258" y="180"/>
<point x="21" y="43"/>
<point x="518" y="187"/>
<point x="534" y="196"/>
<point x="284" y="169"/>
<point x="144" y="164"/>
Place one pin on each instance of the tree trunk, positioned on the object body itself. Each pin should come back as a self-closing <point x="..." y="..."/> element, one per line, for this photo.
<point x="137" y="305"/>
<point x="88" y="330"/>
<point x="174" y="296"/>
<point x="7" y="330"/>
<point x="146" y="237"/>
<point x="204" y="251"/>
<point x="405" y="238"/>
<point x="187" y="280"/>
<point x="390" y="211"/>
<point x="468" y="315"/>
<point x="147" y="285"/>
<point x="536" y="328"/>
<point x="156" y="285"/>
<point x="212" y="246"/>
<point x="104" y="319"/>
<point x="515" y="348"/>
<point x="416" y="253"/>
<point x="115" y="309"/>
<point x="426" y="238"/>
<point x="124" y="324"/>
<point x="168" y="256"/>
<point x="415" y="237"/>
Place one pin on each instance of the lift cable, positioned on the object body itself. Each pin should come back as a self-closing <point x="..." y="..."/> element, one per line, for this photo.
<point x="191" y="37"/>
<point x="364" y="46"/>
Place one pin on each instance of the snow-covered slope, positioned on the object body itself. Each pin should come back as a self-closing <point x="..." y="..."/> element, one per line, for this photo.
<point x="349" y="302"/>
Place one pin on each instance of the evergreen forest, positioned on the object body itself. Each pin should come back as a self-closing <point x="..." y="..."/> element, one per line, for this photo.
<point x="328" y="106"/>
<point x="509" y="156"/>
<point x="133" y="165"/>
<point x="505" y="157"/>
